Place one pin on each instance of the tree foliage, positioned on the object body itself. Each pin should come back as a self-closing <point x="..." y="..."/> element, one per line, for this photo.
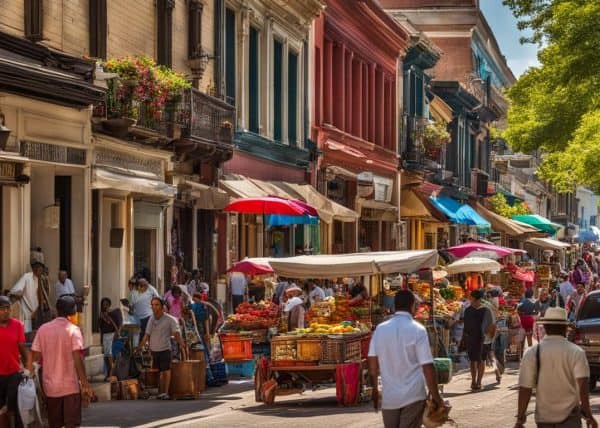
<point x="501" y="206"/>
<point x="555" y="107"/>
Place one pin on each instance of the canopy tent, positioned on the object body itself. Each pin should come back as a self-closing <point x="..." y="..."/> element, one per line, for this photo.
<point x="548" y="243"/>
<point x="356" y="264"/>
<point x="479" y="249"/>
<point x="267" y="205"/>
<point x="539" y="222"/>
<point x="505" y="225"/>
<point x="249" y="267"/>
<point x="473" y="264"/>
<point x="586" y="236"/>
<point x="460" y="213"/>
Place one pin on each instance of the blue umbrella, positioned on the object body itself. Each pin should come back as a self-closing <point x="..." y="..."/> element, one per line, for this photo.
<point x="286" y="220"/>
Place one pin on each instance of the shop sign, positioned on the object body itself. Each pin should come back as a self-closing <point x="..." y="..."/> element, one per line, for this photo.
<point x="53" y="153"/>
<point x="8" y="170"/>
<point x="128" y="162"/>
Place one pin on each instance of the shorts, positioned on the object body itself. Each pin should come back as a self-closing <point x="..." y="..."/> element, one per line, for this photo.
<point x="161" y="360"/>
<point x="527" y="322"/>
<point x="64" y="410"/>
<point x="475" y="349"/>
<point x="9" y="385"/>
<point x="107" y="344"/>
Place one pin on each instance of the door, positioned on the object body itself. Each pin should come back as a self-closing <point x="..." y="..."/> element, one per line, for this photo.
<point x="144" y="252"/>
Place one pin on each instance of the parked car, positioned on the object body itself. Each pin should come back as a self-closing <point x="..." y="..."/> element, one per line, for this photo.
<point x="586" y="333"/>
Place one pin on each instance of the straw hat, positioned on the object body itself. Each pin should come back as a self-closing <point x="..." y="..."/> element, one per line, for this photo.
<point x="555" y="316"/>
<point x="294" y="288"/>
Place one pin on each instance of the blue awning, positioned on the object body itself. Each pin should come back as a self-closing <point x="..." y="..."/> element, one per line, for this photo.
<point x="461" y="213"/>
<point x="286" y="220"/>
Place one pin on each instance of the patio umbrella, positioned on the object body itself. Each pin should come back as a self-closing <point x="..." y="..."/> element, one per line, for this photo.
<point x="539" y="222"/>
<point x="480" y="249"/>
<point x="473" y="264"/>
<point x="266" y="205"/>
<point x="249" y="267"/>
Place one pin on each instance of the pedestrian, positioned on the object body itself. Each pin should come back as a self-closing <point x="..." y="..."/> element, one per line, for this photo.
<point x="238" y="287"/>
<point x="12" y="338"/>
<point x="316" y="293"/>
<point x="559" y="372"/>
<point x="282" y="285"/>
<point x="566" y="287"/>
<point x="110" y="322"/>
<point x="294" y="308"/>
<point x="160" y="327"/>
<point x="574" y="300"/>
<point x="399" y="351"/>
<point x="140" y="300"/>
<point x="541" y="306"/>
<point x="526" y="310"/>
<point x="581" y="272"/>
<point x="28" y="291"/>
<point x="358" y="293"/>
<point x="64" y="286"/>
<point x="478" y="322"/>
<point x="175" y="301"/>
<point x="59" y="345"/>
<point x="201" y="313"/>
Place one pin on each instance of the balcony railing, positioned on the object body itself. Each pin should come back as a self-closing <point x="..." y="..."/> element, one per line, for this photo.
<point x="207" y="118"/>
<point x="414" y="151"/>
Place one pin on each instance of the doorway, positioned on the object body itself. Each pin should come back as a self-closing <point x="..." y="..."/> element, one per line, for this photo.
<point x="144" y="252"/>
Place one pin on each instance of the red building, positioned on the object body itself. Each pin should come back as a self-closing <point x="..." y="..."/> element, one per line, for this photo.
<point x="358" y="50"/>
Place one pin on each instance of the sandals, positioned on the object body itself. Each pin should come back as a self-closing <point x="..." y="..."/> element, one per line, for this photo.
<point x="163" y="396"/>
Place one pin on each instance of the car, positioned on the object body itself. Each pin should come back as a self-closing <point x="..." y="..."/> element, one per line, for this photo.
<point x="586" y="333"/>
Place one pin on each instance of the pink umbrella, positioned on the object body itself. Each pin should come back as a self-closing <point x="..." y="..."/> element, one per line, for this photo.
<point x="479" y="249"/>
<point x="250" y="268"/>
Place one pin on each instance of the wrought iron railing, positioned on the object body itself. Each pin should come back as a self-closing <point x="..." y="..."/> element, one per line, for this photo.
<point x="414" y="148"/>
<point x="207" y="117"/>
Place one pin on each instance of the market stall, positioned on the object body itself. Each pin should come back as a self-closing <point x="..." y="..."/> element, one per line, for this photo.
<point x="332" y="349"/>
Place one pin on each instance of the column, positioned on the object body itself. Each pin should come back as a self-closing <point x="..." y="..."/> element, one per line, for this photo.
<point x="394" y="117"/>
<point x="349" y="100"/>
<point x="284" y="91"/>
<point x="379" y="108"/>
<point x="371" y="80"/>
<point x="339" y="86"/>
<point x="266" y="71"/>
<point x="357" y="99"/>
<point x="194" y="237"/>
<point x="243" y="55"/>
<point x="328" y="82"/>
<point x="366" y="108"/>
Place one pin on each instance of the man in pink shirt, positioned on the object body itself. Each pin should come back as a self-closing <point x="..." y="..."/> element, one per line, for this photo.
<point x="59" y="344"/>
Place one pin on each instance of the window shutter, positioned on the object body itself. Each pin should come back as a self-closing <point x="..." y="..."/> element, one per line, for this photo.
<point x="195" y="29"/>
<point x="98" y="28"/>
<point x="165" y="32"/>
<point x="33" y="20"/>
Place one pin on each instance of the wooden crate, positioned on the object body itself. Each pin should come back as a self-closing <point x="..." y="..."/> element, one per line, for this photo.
<point x="284" y="348"/>
<point x="341" y="349"/>
<point x="309" y="349"/>
<point x="236" y="348"/>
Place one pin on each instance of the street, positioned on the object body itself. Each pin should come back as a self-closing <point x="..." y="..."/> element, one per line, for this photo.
<point x="233" y="405"/>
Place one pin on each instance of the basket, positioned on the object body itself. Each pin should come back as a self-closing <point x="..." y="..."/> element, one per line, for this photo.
<point x="236" y="348"/>
<point x="443" y="368"/>
<point x="219" y="374"/>
<point x="241" y="368"/>
<point x="341" y="349"/>
<point x="309" y="349"/>
<point x="365" y="341"/>
<point x="284" y="348"/>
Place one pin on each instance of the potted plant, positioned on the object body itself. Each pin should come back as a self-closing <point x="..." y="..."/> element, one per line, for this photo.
<point x="435" y="135"/>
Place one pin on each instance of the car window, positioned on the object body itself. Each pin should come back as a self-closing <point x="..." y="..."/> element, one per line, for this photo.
<point x="591" y="308"/>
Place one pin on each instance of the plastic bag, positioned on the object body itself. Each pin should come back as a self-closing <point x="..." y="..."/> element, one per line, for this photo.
<point x="435" y="417"/>
<point x="26" y="400"/>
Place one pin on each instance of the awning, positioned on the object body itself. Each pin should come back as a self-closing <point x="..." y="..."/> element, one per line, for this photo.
<point x="328" y="210"/>
<point x="414" y="204"/>
<point x="460" y="213"/>
<point x="383" y="211"/>
<point x="341" y="172"/>
<point x="503" y="224"/>
<point x="539" y="222"/>
<point x="243" y="188"/>
<point x="207" y="197"/>
<point x="548" y="243"/>
<point x="105" y="179"/>
<point x="357" y="264"/>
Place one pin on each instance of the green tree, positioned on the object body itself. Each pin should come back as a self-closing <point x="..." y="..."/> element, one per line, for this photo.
<point x="501" y="206"/>
<point x="555" y="107"/>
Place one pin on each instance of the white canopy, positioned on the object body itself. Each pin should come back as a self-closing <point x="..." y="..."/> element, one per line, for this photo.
<point x="356" y="264"/>
<point x="104" y="179"/>
<point x="473" y="264"/>
<point x="548" y="243"/>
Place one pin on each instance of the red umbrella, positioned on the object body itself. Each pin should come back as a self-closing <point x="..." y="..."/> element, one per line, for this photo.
<point x="480" y="249"/>
<point x="250" y="268"/>
<point x="266" y="205"/>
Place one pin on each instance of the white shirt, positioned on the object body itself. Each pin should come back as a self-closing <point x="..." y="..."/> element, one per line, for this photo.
<point x="401" y="346"/>
<point x="61" y="289"/>
<point x="292" y="303"/>
<point x="317" y="293"/>
<point x="142" y="302"/>
<point x="238" y="284"/>
<point x="328" y="292"/>
<point x="565" y="290"/>
<point x="27" y="287"/>
<point x="561" y="364"/>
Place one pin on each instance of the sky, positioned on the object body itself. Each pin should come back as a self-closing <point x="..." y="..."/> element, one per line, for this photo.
<point x="504" y="24"/>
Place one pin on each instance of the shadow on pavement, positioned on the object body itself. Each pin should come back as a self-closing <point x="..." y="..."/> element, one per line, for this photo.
<point x="305" y="407"/>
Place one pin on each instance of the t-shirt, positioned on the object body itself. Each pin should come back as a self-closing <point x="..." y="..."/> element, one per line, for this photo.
<point x="476" y="321"/>
<point x="238" y="284"/>
<point x="561" y="364"/>
<point x="526" y="307"/>
<point x="566" y="288"/>
<point x="401" y="346"/>
<point x="317" y="293"/>
<point x="10" y="338"/>
<point x="61" y="289"/>
<point x="175" y="304"/>
<point x="142" y="302"/>
<point x="160" y="331"/>
<point x="201" y="315"/>
<point x="107" y="326"/>
<point x="56" y="341"/>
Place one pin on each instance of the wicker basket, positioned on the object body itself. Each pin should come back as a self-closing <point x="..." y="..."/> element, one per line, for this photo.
<point x="284" y="348"/>
<point x="341" y="349"/>
<point x="309" y="349"/>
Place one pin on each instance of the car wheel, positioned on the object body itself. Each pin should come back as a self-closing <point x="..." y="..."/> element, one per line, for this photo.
<point x="592" y="383"/>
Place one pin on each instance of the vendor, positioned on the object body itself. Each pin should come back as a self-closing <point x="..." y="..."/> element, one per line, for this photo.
<point x="474" y="281"/>
<point x="294" y="308"/>
<point x="359" y="293"/>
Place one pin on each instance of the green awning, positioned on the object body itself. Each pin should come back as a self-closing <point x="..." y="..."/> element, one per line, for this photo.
<point x="539" y="222"/>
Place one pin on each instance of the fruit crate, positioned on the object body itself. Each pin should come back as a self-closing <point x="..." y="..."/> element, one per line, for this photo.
<point x="341" y="349"/>
<point x="236" y="347"/>
<point x="309" y="349"/>
<point x="284" y="348"/>
<point x="241" y="368"/>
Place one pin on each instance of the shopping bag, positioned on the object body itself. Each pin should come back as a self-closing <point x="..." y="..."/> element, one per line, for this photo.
<point x="26" y="401"/>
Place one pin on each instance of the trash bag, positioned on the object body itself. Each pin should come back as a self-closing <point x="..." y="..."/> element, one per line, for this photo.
<point x="26" y="401"/>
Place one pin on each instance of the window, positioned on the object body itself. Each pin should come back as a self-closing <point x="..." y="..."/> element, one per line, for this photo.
<point x="230" y="56"/>
<point x="253" y="77"/>
<point x="33" y="20"/>
<point x="164" y="9"/>
<point x="414" y="91"/>
<point x="292" y="98"/>
<point x="97" y="17"/>
<point x="277" y="89"/>
<point x="195" y="29"/>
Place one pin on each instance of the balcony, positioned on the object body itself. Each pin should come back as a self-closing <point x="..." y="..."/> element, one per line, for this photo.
<point x="417" y="151"/>
<point x="207" y="119"/>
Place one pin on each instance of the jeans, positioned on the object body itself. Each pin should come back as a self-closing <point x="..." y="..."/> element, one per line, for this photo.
<point x="410" y="416"/>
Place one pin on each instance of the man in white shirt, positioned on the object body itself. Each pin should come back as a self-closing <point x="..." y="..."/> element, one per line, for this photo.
<point x="400" y="352"/>
<point x="26" y="289"/>
<point x="140" y="299"/>
<point x="316" y="293"/>
<point x="239" y="288"/>
<point x="64" y="286"/>
<point x="559" y="372"/>
<point x="565" y="287"/>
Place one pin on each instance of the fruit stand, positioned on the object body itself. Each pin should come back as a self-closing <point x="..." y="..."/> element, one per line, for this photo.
<point x="333" y="349"/>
